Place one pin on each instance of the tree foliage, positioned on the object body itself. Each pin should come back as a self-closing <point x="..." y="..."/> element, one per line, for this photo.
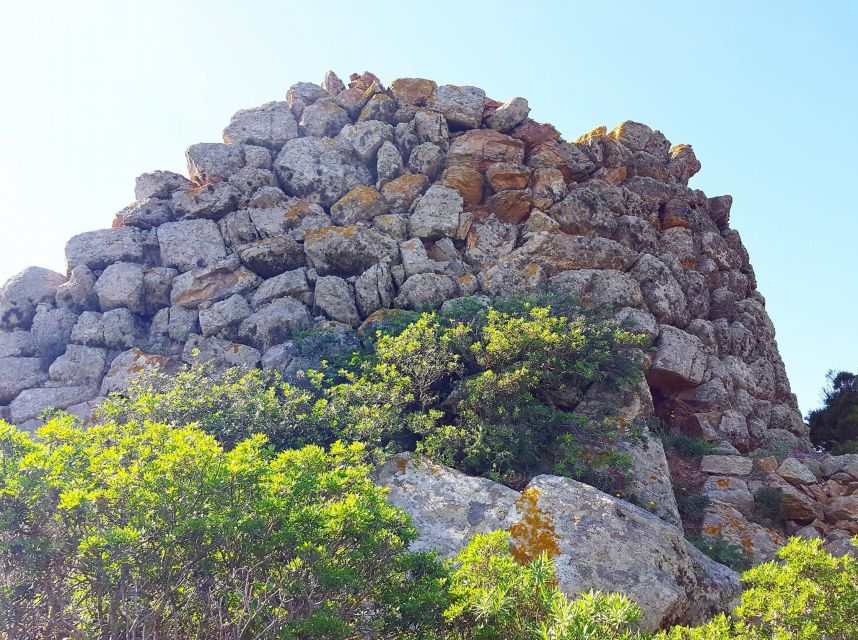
<point x="149" y="530"/>
<point x="836" y="422"/>
<point x="481" y="388"/>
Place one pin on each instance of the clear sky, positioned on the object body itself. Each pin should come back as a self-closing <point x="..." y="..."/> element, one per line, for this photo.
<point x="94" y="93"/>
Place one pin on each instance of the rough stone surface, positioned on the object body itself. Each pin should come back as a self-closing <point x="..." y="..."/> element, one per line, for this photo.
<point x="345" y="203"/>
<point x="274" y="323"/>
<point x="271" y="125"/>
<point x="587" y="532"/>
<point x="317" y="168"/>
<point x="189" y="244"/>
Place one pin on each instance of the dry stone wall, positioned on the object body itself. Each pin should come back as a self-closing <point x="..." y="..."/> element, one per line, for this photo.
<point x="342" y="201"/>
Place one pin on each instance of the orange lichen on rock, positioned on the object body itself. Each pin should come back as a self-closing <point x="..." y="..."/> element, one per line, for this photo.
<point x="534" y="533"/>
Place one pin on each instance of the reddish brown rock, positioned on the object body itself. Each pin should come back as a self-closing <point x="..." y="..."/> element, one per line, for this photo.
<point x="504" y="176"/>
<point x="413" y="91"/>
<point x="510" y="206"/>
<point x="533" y="134"/>
<point x="573" y="163"/>
<point x="468" y="182"/>
<point x="481" y="148"/>
<point x="400" y="194"/>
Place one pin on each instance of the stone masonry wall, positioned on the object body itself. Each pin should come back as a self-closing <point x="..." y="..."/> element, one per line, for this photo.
<point x="342" y="201"/>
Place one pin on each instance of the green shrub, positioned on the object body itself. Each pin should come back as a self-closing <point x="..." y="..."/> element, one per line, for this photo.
<point x="808" y="595"/>
<point x="232" y="405"/>
<point x="768" y="506"/>
<point x="690" y="502"/>
<point x="688" y="446"/>
<point x="844" y="448"/>
<point x="146" y="530"/>
<point x="732" y="555"/>
<point x="474" y="387"/>
<point x="837" y="420"/>
<point x="496" y="598"/>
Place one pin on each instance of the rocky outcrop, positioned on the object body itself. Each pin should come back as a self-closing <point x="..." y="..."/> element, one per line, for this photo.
<point x="596" y="540"/>
<point x="346" y="199"/>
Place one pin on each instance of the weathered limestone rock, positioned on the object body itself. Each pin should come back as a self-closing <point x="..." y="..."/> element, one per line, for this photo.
<point x="509" y="115"/>
<point x="462" y="106"/>
<point x="223" y="314"/>
<point x="80" y="365"/>
<point x="594" y="287"/>
<point x="413" y="91"/>
<point x="17" y="374"/>
<point x="680" y="360"/>
<point x="401" y="193"/>
<point x="335" y="299"/>
<point x="365" y="139"/>
<point x="723" y="522"/>
<point x="291" y="283"/>
<point x="272" y="125"/>
<point x="189" y="244"/>
<point x="466" y="181"/>
<point x="323" y="118"/>
<point x="30" y="403"/>
<point x="159" y="184"/>
<point x="426" y="290"/>
<point x="730" y="491"/>
<point x="97" y="249"/>
<point x="359" y="204"/>
<point x="316" y="168"/>
<point x="213" y="283"/>
<point x="727" y="465"/>
<point x="121" y="285"/>
<point x="220" y="353"/>
<point x="17" y="344"/>
<point x="130" y="363"/>
<point x="661" y="291"/>
<point x="271" y="256"/>
<point x="480" y="148"/>
<point x="374" y="289"/>
<point x="52" y="330"/>
<point x="588" y="533"/>
<point x="20" y="296"/>
<point x="274" y="323"/>
<point x="350" y="249"/>
<point x="795" y="472"/>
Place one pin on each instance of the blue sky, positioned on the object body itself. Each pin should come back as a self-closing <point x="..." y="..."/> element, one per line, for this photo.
<point x="95" y="93"/>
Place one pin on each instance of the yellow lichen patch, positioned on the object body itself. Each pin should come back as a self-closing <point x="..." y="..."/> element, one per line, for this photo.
<point x="598" y="132"/>
<point x="714" y="529"/>
<point x="723" y="483"/>
<point x="534" y="533"/>
<point x="401" y="464"/>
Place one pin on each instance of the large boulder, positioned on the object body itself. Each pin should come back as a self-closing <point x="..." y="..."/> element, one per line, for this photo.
<point x="350" y="250"/>
<point x="211" y="284"/>
<point x="661" y="291"/>
<point x="23" y="292"/>
<point x="17" y="374"/>
<point x="189" y="244"/>
<point x="271" y="125"/>
<point x="317" y="168"/>
<point x="680" y="360"/>
<point x="131" y="363"/>
<point x="274" y="323"/>
<point x="462" y="106"/>
<point x="597" y="541"/>
<point x="481" y="148"/>
<point x="97" y="249"/>
<point x="30" y="403"/>
<point x="334" y="298"/>
<point x="121" y="285"/>
<point x="437" y="214"/>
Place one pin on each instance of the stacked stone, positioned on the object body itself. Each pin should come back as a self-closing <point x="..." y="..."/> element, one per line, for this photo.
<point x="340" y="202"/>
<point x="817" y="497"/>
